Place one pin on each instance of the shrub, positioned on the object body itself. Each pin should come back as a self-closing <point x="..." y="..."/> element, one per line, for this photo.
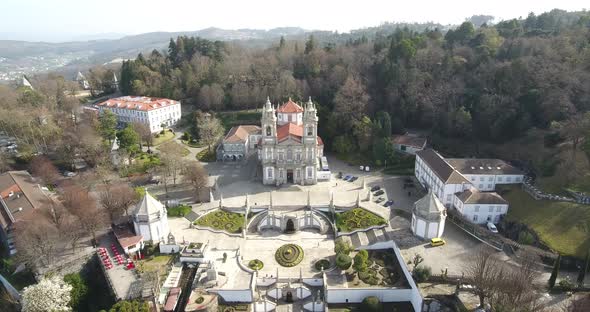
<point x="342" y="246"/>
<point x="371" y="304"/>
<point x="186" y="136"/>
<point x="422" y="273"/>
<point x="343" y="261"/>
<point x="322" y="264"/>
<point x="179" y="211"/>
<point x="289" y="255"/>
<point x="360" y="261"/>
<point x="255" y="264"/>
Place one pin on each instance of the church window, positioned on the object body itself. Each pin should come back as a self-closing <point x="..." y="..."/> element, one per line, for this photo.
<point x="298" y="173"/>
<point x="310" y="172"/>
<point x="268" y="131"/>
<point x="309" y="130"/>
<point x="310" y="154"/>
<point x="289" y="154"/>
<point x="281" y="155"/>
<point x="268" y="153"/>
<point x="298" y="156"/>
<point x="280" y="173"/>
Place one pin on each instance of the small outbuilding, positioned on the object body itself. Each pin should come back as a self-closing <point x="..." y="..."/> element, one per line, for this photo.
<point x="428" y="217"/>
<point x="150" y="220"/>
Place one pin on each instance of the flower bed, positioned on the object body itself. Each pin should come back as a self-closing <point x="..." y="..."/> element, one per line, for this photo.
<point x="289" y="255"/>
<point x="357" y="218"/>
<point x="222" y="220"/>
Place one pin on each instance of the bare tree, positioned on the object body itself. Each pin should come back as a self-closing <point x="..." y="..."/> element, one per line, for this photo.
<point x="145" y="135"/>
<point x="210" y="130"/>
<point x="84" y="208"/>
<point x="117" y="199"/>
<point x="197" y="176"/>
<point x="42" y="167"/>
<point x="36" y="239"/>
<point x="484" y="272"/>
<point x="171" y="157"/>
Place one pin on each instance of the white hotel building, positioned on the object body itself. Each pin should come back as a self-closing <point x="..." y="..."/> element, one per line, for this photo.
<point x="467" y="184"/>
<point x="155" y="112"/>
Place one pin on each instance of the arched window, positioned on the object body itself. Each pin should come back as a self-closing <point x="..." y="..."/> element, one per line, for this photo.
<point x="268" y="131"/>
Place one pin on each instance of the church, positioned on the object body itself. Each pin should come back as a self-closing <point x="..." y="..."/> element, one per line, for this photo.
<point x="289" y="150"/>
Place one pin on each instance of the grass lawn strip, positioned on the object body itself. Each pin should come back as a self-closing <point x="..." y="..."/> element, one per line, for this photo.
<point x="563" y="226"/>
<point x="167" y="136"/>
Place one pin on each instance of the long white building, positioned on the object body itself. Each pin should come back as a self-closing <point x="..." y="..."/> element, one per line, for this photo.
<point x="467" y="184"/>
<point x="154" y="112"/>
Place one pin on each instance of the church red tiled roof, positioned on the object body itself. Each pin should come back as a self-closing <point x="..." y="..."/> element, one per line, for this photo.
<point x="290" y="107"/>
<point x="289" y="129"/>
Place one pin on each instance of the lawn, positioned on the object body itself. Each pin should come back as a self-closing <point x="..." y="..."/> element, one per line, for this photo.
<point x="564" y="227"/>
<point x="158" y="263"/>
<point x="222" y="220"/>
<point x="161" y="138"/>
<point x="207" y="155"/>
<point x="179" y="211"/>
<point x="184" y="153"/>
<point x="357" y="218"/>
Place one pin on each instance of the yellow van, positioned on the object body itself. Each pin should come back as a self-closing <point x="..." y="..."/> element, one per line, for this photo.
<point x="437" y="241"/>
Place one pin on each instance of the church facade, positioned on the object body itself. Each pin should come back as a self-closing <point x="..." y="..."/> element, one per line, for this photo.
<point x="289" y="149"/>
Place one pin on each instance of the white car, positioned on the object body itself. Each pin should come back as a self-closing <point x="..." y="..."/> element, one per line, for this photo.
<point x="492" y="227"/>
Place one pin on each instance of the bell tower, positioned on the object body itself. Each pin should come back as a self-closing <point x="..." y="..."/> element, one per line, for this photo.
<point x="310" y="123"/>
<point x="268" y="122"/>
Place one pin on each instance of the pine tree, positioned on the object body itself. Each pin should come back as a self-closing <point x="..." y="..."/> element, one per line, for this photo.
<point x="583" y="270"/>
<point x="555" y="272"/>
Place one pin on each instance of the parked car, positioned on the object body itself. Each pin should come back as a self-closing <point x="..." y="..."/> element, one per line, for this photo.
<point x="353" y="179"/>
<point x="388" y="203"/>
<point x="380" y="199"/>
<point x="347" y="177"/>
<point x="437" y="241"/>
<point x="367" y="169"/>
<point x="379" y="193"/>
<point x="492" y="227"/>
<point x="375" y="188"/>
<point x="69" y="174"/>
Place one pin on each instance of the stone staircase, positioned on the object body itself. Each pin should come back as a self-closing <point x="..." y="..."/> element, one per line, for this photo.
<point x="370" y="237"/>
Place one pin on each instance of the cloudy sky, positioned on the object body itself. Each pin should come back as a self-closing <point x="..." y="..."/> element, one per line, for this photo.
<point x="56" y="20"/>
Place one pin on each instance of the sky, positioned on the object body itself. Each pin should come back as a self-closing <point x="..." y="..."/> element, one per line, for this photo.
<point x="61" y="20"/>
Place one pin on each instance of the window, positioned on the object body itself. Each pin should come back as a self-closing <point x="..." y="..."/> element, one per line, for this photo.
<point x="480" y="186"/>
<point x="310" y="130"/>
<point x="489" y="186"/>
<point x="268" y="131"/>
<point x="309" y="154"/>
<point x="477" y="208"/>
<point x="474" y="218"/>
<point x="491" y="179"/>
<point x="403" y="147"/>
<point x="269" y="173"/>
<point x="289" y="154"/>
<point x="268" y="153"/>
<point x="280" y="173"/>
<point x="508" y="179"/>
<point x="489" y="218"/>
<point x="481" y="179"/>
<point x="498" y="208"/>
<point x="309" y="172"/>
<point x="491" y="208"/>
<point x="472" y="179"/>
<point x="517" y="179"/>
<point x="298" y="155"/>
<point x="294" y="117"/>
<point x="281" y="156"/>
<point x="449" y="198"/>
<point x="499" y="179"/>
<point x="298" y="173"/>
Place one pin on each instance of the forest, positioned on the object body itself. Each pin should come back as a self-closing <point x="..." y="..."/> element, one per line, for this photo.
<point x="487" y="82"/>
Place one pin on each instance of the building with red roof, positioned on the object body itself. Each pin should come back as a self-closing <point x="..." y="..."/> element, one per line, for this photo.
<point x="157" y="113"/>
